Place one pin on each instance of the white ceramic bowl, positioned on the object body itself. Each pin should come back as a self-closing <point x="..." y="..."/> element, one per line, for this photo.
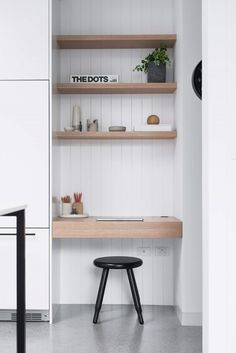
<point x="68" y="128"/>
<point x="117" y="128"/>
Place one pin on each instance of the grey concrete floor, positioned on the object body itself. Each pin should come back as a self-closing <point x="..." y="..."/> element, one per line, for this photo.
<point x="118" y="331"/>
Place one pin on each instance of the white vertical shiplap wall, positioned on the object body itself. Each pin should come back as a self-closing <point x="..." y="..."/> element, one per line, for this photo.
<point x="120" y="178"/>
<point x="188" y="165"/>
<point x="116" y="17"/>
<point x="79" y="279"/>
<point x="116" y="177"/>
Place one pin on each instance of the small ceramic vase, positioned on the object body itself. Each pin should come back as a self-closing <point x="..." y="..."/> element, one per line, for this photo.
<point x="66" y="208"/>
<point x="78" y="206"/>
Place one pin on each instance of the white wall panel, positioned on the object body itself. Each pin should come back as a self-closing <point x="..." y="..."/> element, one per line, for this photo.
<point x="116" y="17"/>
<point x="141" y="184"/>
<point x="24" y="38"/>
<point x="116" y="177"/>
<point x="219" y="176"/>
<point x="107" y="61"/>
<point x="79" y="278"/>
<point x="188" y="184"/>
<point x="24" y="153"/>
<point x="37" y="265"/>
<point x="55" y="108"/>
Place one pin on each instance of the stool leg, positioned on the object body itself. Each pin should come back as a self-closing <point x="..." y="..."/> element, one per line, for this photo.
<point x="100" y="295"/>
<point x="135" y="294"/>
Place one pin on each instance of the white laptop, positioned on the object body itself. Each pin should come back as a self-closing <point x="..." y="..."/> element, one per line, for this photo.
<point x="139" y="219"/>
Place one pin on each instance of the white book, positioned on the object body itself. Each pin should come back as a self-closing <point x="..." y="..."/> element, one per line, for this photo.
<point x="77" y="78"/>
<point x="153" y="127"/>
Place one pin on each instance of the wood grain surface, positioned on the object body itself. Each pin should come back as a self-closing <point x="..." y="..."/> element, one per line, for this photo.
<point x="151" y="227"/>
<point x="115" y="41"/>
<point x="115" y="88"/>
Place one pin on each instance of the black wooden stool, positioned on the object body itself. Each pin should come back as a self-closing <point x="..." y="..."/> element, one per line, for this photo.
<point x="118" y="263"/>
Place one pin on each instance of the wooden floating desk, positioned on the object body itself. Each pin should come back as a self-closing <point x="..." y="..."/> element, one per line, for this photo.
<point x="151" y="227"/>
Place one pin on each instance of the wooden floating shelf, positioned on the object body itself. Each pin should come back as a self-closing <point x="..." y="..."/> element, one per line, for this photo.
<point x="115" y="88"/>
<point x="115" y="41"/>
<point x="114" y="135"/>
<point x="151" y="227"/>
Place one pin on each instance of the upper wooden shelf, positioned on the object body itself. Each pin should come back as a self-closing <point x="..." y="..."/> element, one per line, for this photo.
<point x="151" y="227"/>
<point x="114" y="135"/>
<point x="115" y="88"/>
<point x="115" y="41"/>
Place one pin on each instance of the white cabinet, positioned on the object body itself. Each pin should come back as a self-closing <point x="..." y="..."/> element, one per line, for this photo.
<point x="37" y="269"/>
<point x="24" y="38"/>
<point x="24" y="150"/>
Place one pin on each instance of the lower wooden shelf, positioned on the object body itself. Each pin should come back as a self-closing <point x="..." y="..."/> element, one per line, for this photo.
<point x="107" y="135"/>
<point x="151" y="227"/>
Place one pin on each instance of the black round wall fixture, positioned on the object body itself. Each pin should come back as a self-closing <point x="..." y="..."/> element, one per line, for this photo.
<point x="197" y="80"/>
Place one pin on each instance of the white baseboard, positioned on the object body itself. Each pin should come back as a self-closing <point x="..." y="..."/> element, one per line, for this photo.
<point x="189" y="319"/>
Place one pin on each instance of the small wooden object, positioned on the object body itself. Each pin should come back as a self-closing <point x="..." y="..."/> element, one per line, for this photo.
<point x="78" y="206"/>
<point x="153" y="120"/>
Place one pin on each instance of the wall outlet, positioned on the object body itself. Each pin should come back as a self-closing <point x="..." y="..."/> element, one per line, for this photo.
<point x="161" y="251"/>
<point x="145" y="251"/>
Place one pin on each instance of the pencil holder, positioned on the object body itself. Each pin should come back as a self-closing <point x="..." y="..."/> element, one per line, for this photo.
<point x="66" y="208"/>
<point x="79" y="207"/>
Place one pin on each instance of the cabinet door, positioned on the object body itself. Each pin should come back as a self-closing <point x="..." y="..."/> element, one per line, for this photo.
<point x="24" y="150"/>
<point x="7" y="270"/>
<point x="37" y="269"/>
<point x="24" y="38"/>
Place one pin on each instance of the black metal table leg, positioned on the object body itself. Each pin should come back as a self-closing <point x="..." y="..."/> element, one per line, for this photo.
<point x="20" y="279"/>
<point x="100" y="295"/>
<point x="20" y="216"/>
<point x="135" y="294"/>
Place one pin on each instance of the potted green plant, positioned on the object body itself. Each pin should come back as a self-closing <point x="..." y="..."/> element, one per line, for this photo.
<point x="154" y="64"/>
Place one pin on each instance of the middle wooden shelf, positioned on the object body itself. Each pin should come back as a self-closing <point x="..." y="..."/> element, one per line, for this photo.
<point x="107" y="135"/>
<point x="115" y="88"/>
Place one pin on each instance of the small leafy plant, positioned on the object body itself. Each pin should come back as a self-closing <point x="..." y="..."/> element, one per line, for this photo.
<point x="158" y="56"/>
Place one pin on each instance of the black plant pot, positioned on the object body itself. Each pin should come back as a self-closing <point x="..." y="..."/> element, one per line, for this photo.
<point x="156" y="73"/>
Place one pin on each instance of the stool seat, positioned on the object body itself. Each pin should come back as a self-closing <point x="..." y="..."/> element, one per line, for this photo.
<point x="118" y="262"/>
